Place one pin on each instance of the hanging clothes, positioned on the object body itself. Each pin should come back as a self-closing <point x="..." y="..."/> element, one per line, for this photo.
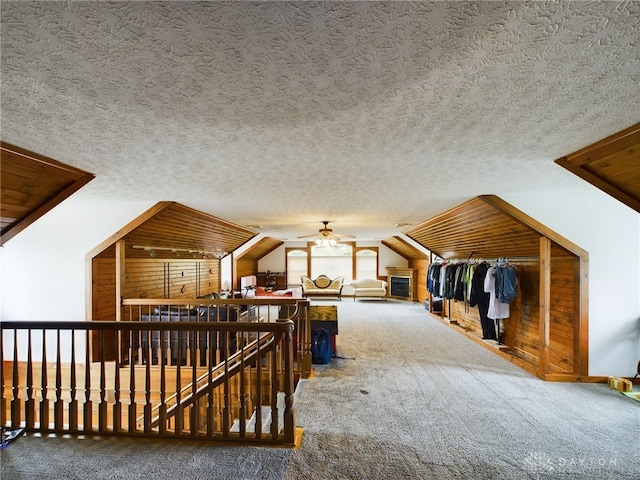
<point x="478" y="297"/>
<point x="459" y="284"/>
<point x="443" y="280"/>
<point x="433" y="279"/>
<point x="497" y="309"/>
<point x="506" y="283"/>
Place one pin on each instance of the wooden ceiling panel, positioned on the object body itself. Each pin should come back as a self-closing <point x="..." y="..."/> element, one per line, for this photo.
<point x="612" y="165"/>
<point x="404" y="249"/>
<point x="485" y="227"/>
<point x="170" y="230"/>
<point x="31" y="186"/>
<point x="261" y="248"/>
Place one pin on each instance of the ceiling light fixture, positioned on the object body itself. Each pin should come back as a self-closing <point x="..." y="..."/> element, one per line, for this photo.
<point x="325" y="242"/>
<point x="326" y="237"/>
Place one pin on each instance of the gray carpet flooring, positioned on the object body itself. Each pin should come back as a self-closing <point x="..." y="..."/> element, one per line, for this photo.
<point x="408" y="399"/>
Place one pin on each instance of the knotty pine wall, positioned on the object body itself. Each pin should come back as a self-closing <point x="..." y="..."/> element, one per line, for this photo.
<point x="244" y="267"/>
<point x="522" y="328"/>
<point x="421" y="270"/>
<point x="151" y="278"/>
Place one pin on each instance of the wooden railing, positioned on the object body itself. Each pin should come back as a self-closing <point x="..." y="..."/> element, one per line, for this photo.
<point x="225" y="380"/>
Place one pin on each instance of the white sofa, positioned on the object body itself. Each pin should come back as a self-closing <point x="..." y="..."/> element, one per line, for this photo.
<point x="369" y="288"/>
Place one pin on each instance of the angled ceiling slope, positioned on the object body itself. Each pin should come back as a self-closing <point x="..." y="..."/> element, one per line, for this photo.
<point x="171" y="230"/>
<point x="31" y="186"/>
<point x="263" y="247"/>
<point x="612" y="165"/>
<point x="487" y="227"/>
<point x="403" y="248"/>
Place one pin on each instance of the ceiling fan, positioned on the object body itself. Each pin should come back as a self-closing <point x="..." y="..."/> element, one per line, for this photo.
<point x="325" y="235"/>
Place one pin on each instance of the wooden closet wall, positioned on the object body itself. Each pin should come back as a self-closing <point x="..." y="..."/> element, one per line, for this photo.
<point x="166" y="252"/>
<point x="547" y="330"/>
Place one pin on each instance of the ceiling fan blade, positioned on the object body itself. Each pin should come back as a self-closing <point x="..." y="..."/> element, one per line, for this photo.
<point x="344" y="235"/>
<point x="327" y="234"/>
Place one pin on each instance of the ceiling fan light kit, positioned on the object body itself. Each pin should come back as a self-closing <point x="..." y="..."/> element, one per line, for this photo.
<point x="326" y="237"/>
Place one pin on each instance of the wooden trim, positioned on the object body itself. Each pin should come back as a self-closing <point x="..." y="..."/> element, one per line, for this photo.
<point x="403" y="248"/>
<point x="600" y="183"/>
<point x="129" y="227"/>
<point x="524" y="219"/>
<point x="88" y="289"/>
<point x="602" y="162"/>
<point x="545" y="302"/>
<point x="606" y="146"/>
<point x="120" y="277"/>
<point x="582" y="333"/>
<point x="79" y="178"/>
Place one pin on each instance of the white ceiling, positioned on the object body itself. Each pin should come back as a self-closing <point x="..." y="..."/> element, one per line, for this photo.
<point x="285" y="114"/>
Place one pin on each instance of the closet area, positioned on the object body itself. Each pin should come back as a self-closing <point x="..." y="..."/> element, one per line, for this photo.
<point x="511" y="284"/>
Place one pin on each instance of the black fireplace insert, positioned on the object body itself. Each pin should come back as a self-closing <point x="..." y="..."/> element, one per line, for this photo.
<point x="400" y="286"/>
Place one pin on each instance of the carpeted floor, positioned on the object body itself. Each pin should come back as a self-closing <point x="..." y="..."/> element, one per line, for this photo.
<point x="410" y="399"/>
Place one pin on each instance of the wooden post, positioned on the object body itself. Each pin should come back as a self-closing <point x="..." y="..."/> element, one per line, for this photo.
<point x="120" y="270"/>
<point x="545" y="305"/>
<point x="289" y="410"/>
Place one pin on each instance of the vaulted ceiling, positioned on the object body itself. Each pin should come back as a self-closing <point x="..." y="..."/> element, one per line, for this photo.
<point x="284" y="114"/>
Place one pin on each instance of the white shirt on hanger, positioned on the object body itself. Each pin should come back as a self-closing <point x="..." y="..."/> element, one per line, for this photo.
<point x="497" y="309"/>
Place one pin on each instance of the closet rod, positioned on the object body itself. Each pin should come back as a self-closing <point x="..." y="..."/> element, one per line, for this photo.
<point x="491" y="259"/>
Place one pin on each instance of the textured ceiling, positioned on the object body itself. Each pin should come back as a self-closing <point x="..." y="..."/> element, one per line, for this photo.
<point x="285" y="114"/>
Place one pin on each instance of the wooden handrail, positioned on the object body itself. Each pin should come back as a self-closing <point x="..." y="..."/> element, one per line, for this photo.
<point x="104" y="401"/>
<point x="215" y="376"/>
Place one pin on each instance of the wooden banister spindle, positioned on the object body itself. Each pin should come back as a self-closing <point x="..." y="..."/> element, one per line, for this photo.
<point x="44" y="401"/>
<point x="274" y="390"/>
<point x="147" y="386"/>
<point x="289" y="412"/>
<point x="29" y="404"/>
<point x="102" y="406"/>
<point x="211" y="352"/>
<point x="117" y="404"/>
<point x="88" y="405"/>
<point x="134" y="350"/>
<point x="226" y="409"/>
<point x="15" y="401"/>
<point x="242" y="411"/>
<point x="194" y="411"/>
<point x="58" y="404"/>
<point x="73" y="402"/>
<point x="258" y="397"/>
<point x="179" y="415"/>
<point x="162" y="409"/>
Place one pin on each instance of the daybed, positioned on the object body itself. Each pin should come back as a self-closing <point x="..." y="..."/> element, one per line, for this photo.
<point x="322" y="286"/>
<point x="369" y="288"/>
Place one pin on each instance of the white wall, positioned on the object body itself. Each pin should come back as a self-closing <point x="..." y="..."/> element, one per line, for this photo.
<point x="610" y="232"/>
<point x="43" y="267"/>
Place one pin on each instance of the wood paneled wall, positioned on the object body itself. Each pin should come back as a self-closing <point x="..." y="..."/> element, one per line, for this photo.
<point x="521" y="331"/>
<point x="421" y="270"/>
<point x="151" y="278"/>
<point x="245" y="266"/>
